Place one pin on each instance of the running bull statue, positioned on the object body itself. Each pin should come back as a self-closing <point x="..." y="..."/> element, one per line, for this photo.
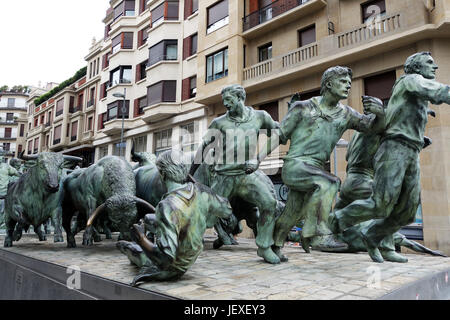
<point x="33" y="198"/>
<point x="106" y="189"/>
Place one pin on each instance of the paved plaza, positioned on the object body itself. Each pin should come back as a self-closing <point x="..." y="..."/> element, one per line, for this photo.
<point x="236" y="272"/>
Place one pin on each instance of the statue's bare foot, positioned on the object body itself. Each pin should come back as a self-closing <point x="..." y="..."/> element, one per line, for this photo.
<point x="391" y="255"/>
<point x="268" y="255"/>
<point x="281" y="256"/>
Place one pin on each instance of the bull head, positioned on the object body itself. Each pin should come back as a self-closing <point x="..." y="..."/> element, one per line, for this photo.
<point x="103" y="206"/>
<point x="48" y="166"/>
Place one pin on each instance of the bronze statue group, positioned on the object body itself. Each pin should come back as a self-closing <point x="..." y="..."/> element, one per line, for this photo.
<point x="163" y="206"/>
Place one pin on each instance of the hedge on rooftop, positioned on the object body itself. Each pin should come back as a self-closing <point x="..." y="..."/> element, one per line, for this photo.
<point x="77" y="76"/>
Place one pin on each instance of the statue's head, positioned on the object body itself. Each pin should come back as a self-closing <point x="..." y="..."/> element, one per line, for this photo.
<point x="233" y="96"/>
<point x="421" y="63"/>
<point x="337" y="81"/>
<point x="172" y="165"/>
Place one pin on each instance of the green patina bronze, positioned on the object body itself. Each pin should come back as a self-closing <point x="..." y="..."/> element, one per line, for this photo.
<point x="314" y="127"/>
<point x="175" y="232"/>
<point x="230" y="180"/>
<point x="396" y="183"/>
<point x="7" y="174"/>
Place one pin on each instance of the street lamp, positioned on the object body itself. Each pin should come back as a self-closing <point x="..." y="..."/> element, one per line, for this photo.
<point x="122" y="95"/>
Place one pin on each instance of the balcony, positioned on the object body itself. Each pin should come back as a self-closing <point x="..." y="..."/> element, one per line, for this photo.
<point x="88" y="135"/>
<point x="391" y="31"/>
<point x="7" y="138"/>
<point x="278" y="13"/>
<point x="114" y="83"/>
<point x="75" y="109"/>
<point x="160" y="111"/>
<point x="113" y="127"/>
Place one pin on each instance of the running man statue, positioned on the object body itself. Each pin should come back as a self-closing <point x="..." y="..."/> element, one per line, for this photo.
<point x="396" y="189"/>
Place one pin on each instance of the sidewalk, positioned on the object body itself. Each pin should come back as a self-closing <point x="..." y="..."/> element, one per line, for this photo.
<point x="236" y="272"/>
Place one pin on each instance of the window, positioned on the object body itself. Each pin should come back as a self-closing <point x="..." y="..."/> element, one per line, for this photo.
<point x="36" y="145"/>
<point x="102" y="152"/>
<point x="265" y="52"/>
<point x="19" y="149"/>
<point x="91" y="101"/>
<point x="157" y="15"/>
<point x="163" y="141"/>
<point x="188" y="137"/>
<point x="271" y="108"/>
<point x="59" y="107"/>
<point x="141" y="73"/>
<point x="380" y="86"/>
<point x="125" y="8"/>
<point x="36" y="122"/>
<point x="8" y="132"/>
<point x="217" y="16"/>
<point x="142" y="36"/>
<point x="103" y="92"/>
<point x="119" y="148"/>
<point x="29" y="148"/>
<point x="115" y="110"/>
<point x="11" y="102"/>
<point x="80" y="102"/>
<point x="190" y="46"/>
<point x="140" y="144"/>
<point x="122" y="41"/>
<point x="140" y="104"/>
<point x="74" y="131"/>
<point x="164" y="50"/>
<point x="67" y="129"/>
<point x="119" y="75"/>
<point x="373" y="9"/>
<point x="9" y="117"/>
<point x="89" y="123"/>
<point x="22" y="129"/>
<point x="217" y="65"/>
<point x="190" y="6"/>
<point x="49" y="118"/>
<point x="105" y="61"/>
<point x="189" y="88"/>
<point x="47" y="140"/>
<point x="307" y="36"/>
<point x="163" y="91"/>
<point x="42" y="119"/>
<point x="6" y="146"/>
<point x="143" y="5"/>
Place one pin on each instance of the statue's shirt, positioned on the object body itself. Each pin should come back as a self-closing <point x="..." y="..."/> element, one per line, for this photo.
<point x="181" y="219"/>
<point x="314" y="134"/>
<point x="361" y="151"/>
<point x="406" y="114"/>
<point x="238" y="139"/>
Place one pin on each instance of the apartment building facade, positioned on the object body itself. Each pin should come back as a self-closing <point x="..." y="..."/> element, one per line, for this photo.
<point x="13" y="120"/>
<point x="64" y="122"/>
<point x="149" y="56"/>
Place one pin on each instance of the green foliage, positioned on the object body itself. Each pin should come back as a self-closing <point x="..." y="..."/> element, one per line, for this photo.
<point x="17" y="89"/>
<point x="77" y="76"/>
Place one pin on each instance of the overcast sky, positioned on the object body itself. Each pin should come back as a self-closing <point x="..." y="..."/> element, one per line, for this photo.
<point x="47" y="40"/>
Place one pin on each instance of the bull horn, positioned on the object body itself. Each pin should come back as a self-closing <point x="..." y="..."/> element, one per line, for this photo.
<point x="26" y="158"/>
<point x="145" y="204"/>
<point x="73" y="158"/>
<point x="94" y="215"/>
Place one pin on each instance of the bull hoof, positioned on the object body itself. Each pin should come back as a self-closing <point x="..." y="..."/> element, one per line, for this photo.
<point x="71" y="244"/>
<point x="217" y="244"/>
<point x="58" y="238"/>
<point x="87" y="242"/>
<point x="17" y="236"/>
<point x="97" y="239"/>
<point x="43" y="238"/>
<point x="268" y="255"/>
<point x="8" y="243"/>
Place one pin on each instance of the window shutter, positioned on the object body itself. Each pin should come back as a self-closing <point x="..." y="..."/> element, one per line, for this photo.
<point x="187" y="8"/>
<point x="254" y="6"/>
<point x="185" y="89"/>
<point x="100" y="121"/>
<point x="138" y="72"/>
<point x="217" y="12"/>
<point x="136" y="108"/>
<point x="142" y="6"/>
<point x="186" y="47"/>
<point x="116" y="40"/>
<point x="139" y="41"/>
<point x="127" y="42"/>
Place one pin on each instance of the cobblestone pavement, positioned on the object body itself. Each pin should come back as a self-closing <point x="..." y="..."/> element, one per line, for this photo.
<point x="236" y="272"/>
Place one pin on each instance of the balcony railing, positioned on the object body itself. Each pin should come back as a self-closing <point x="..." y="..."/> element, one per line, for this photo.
<point x="161" y="58"/>
<point x="113" y="83"/>
<point x="90" y="103"/>
<point x="269" y="12"/>
<point x="331" y="45"/>
<point x="73" y="138"/>
<point x="56" y="141"/>
<point x="74" y="109"/>
<point x="48" y="124"/>
<point x="59" y="112"/>
<point x="369" y="31"/>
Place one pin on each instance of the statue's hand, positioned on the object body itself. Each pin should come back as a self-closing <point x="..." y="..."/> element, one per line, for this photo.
<point x="431" y="113"/>
<point x="427" y="142"/>
<point x="373" y="105"/>
<point x="251" y="166"/>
